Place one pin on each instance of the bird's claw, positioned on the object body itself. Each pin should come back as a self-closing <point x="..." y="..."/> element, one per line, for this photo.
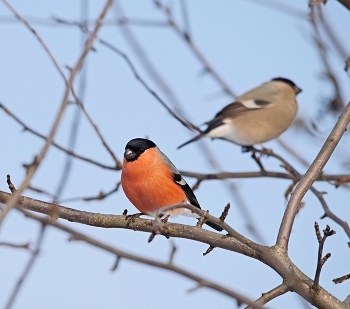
<point x="131" y="218"/>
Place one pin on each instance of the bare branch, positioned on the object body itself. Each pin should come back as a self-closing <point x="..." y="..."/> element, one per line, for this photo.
<point x="310" y="177"/>
<point x="100" y="196"/>
<point x="123" y="254"/>
<point x="341" y="279"/>
<point x="18" y="246"/>
<point x="346" y="3"/>
<point x="275" y="257"/>
<point x="321" y="260"/>
<point x="33" y="167"/>
<point x="41" y="41"/>
<point x="27" y="269"/>
<point x="183" y="121"/>
<point x="200" y="56"/>
<point x="332" y="35"/>
<point x="71" y="153"/>
<point x="270" y="295"/>
<point x="137" y="224"/>
<point x="339" y="179"/>
<point x="336" y="104"/>
<point x="57" y="22"/>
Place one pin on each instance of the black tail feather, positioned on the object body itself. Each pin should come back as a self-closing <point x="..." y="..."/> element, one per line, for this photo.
<point x="214" y="226"/>
<point x="190" y="141"/>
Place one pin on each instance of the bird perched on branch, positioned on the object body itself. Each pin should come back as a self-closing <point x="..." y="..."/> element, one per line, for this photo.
<point x="257" y="116"/>
<point x="151" y="181"/>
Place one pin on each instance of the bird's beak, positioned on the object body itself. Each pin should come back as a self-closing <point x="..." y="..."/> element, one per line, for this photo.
<point x="129" y="154"/>
<point x="297" y="90"/>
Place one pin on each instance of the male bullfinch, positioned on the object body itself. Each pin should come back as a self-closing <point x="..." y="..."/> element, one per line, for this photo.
<point x="257" y="116"/>
<point x="151" y="181"/>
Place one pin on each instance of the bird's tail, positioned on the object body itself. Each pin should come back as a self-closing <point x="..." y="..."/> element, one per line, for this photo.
<point x="191" y="140"/>
<point x="214" y="226"/>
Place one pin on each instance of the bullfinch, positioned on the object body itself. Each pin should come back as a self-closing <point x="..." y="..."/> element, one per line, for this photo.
<point x="257" y="116"/>
<point x="151" y="181"/>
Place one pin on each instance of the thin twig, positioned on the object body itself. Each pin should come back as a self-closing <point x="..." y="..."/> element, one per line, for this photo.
<point x="321" y="260"/>
<point x="27" y="269"/>
<point x="71" y="153"/>
<point x="183" y="121"/>
<point x="341" y="279"/>
<point x="270" y="295"/>
<point x="57" y="22"/>
<point x="332" y="35"/>
<point x="18" y="246"/>
<point x="98" y="197"/>
<point x="200" y="56"/>
<point x="66" y="171"/>
<point x="33" y="167"/>
<point x="343" y="178"/>
<point x="336" y="104"/>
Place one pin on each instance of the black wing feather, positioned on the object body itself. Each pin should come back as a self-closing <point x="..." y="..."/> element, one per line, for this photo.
<point x="186" y="188"/>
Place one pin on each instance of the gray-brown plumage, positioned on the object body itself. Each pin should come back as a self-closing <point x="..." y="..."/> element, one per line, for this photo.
<point x="257" y="116"/>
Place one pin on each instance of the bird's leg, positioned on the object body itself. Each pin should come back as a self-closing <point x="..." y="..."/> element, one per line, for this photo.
<point x="165" y="219"/>
<point x="254" y="156"/>
<point x="132" y="218"/>
<point x="264" y="151"/>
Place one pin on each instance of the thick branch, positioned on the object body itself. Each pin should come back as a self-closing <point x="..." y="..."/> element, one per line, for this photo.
<point x="122" y="254"/>
<point x="346" y="3"/>
<point x="310" y="177"/>
<point x="143" y="225"/>
<point x="275" y="257"/>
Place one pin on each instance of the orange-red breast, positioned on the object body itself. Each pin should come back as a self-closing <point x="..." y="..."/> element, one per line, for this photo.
<point x="151" y="181"/>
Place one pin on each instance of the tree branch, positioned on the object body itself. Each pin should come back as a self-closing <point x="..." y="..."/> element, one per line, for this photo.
<point x="310" y="177"/>
<point x="27" y="269"/>
<point x="122" y="254"/>
<point x="275" y="257"/>
<point x="321" y="260"/>
<point x="270" y="295"/>
<point x="71" y="153"/>
<point x="33" y="167"/>
<point x="208" y="67"/>
<point x="226" y="175"/>
<point x="346" y="3"/>
<point x="142" y="225"/>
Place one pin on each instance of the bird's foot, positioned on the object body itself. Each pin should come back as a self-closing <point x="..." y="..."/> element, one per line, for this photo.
<point x="256" y="158"/>
<point x="131" y="218"/>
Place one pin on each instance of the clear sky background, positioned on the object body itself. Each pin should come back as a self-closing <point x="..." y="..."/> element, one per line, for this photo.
<point x="248" y="43"/>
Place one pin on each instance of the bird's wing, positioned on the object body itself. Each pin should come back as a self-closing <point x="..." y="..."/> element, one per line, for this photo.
<point x="178" y="179"/>
<point x="234" y="110"/>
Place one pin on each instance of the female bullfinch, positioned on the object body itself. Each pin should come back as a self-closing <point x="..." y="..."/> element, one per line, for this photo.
<point x="257" y="116"/>
<point x="151" y="181"/>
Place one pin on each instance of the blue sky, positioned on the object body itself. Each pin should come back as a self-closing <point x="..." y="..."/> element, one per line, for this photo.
<point x="247" y="44"/>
